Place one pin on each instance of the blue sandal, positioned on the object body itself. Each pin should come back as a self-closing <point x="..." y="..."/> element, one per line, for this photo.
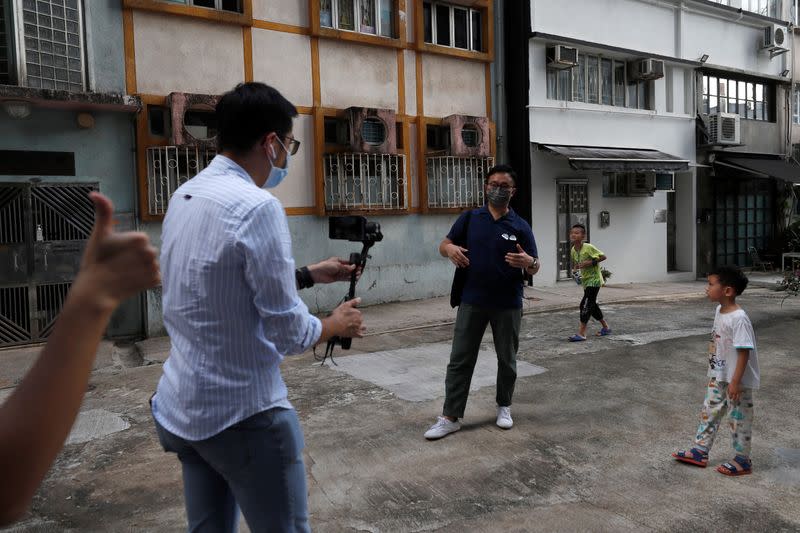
<point x="695" y="456"/>
<point x="603" y="332"/>
<point x="740" y="466"/>
<point x="576" y="338"/>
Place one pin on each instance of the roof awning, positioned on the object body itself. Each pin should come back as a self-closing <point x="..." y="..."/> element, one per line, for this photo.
<point x="775" y="167"/>
<point x="618" y="159"/>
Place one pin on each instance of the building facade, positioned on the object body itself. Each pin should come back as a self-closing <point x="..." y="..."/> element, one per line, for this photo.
<point x="395" y="119"/>
<point x="624" y="101"/>
<point x="66" y="127"/>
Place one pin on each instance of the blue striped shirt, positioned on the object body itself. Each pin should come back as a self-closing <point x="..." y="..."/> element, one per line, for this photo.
<point x="230" y="303"/>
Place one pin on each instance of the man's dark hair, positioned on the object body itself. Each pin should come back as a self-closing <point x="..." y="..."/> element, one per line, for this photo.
<point x="248" y="112"/>
<point x="502" y="169"/>
<point x="583" y="228"/>
<point x="731" y="276"/>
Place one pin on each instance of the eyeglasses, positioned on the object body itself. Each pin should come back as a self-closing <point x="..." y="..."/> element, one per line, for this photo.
<point x="293" y="145"/>
<point x="495" y="185"/>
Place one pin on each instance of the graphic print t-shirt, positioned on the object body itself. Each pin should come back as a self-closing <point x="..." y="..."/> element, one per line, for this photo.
<point x="733" y="331"/>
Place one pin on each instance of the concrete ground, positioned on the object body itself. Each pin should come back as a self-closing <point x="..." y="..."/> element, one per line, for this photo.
<point x="595" y="423"/>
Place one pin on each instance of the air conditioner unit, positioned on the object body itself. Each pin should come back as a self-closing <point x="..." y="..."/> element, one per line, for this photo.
<point x="372" y="131"/>
<point x="193" y="119"/>
<point x="560" y="56"/>
<point x="641" y="184"/>
<point x="646" y="69"/>
<point x="665" y="181"/>
<point x="724" y="128"/>
<point x="469" y="136"/>
<point x="776" y="38"/>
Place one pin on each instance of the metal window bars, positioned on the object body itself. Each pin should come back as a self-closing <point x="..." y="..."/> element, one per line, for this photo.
<point x="355" y="181"/>
<point x="456" y="182"/>
<point x="169" y="167"/>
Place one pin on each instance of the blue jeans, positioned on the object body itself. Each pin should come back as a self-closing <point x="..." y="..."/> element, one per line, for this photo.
<point x="257" y="464"/>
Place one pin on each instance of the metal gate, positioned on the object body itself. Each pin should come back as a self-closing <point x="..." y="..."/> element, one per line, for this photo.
<point x="43" y="229"/>
<point x="573" y="208"/>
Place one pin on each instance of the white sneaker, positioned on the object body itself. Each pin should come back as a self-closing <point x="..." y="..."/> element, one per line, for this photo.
<point x="443" y="426"/>
<point x="504" y="418"/>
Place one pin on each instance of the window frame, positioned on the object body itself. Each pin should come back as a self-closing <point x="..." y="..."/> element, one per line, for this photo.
<point x="470" y="20"/>
<point x="245" y="18"/>
<point x="217" y="5"/>
<point x="18" y="58"/>
<point x="596" y="97"/>
<point x="770" y="7"/>
<point x="357" y="19"/>
<point x="732" y="86"/>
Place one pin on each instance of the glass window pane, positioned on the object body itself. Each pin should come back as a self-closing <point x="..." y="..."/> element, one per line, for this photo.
<point x="713" y="86"/>
<point x="593" y="74"/>
<point x="731" y="89"/>
<point x="387" y="20"/>
<point x="460" y="24"/>
<point x="642" y="98"/>
<point x="443" y="25"/>
<point x="633" y="95"/>
<point x="427" y="19"/>
<point x="366" y="17"/>
<point x="552" y="85"/>
<point x="705" y="84"/>
<point x="477" y="31"/>
<point x="347" y="20"/>
<point x="619" y="83"/>
<point x="565" y="84"/>
<point x="606" y="73"/>
<point x="325" y="13"/>
<point x="579" y="79"/>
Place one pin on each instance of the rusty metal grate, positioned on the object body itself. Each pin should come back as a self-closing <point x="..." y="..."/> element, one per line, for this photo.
<point x="15" y="323"/>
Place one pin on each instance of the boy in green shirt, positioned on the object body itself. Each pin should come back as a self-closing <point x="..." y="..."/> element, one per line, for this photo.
<point x="587" y="258"/>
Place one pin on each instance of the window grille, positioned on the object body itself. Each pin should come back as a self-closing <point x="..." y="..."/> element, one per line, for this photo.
<point x="52" y="44"/>
<point x="169" y="167"/>
<point x="469" y="135"/>
<point x="360" y="181"/>
<point x="373" y="132"/>
<point x="456" y="181"/>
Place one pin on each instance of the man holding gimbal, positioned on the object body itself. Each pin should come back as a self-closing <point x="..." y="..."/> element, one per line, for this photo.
<point x="232" y="313"/>
<point x="496" y="247"/>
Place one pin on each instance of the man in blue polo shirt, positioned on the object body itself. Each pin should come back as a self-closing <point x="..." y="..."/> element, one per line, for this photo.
<point x="498" y="248"/>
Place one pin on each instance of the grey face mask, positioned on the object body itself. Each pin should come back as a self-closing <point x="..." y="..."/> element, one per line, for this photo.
<point x="498" y="197"/>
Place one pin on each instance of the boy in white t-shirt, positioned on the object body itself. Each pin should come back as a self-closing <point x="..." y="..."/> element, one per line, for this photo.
<point x="733" y="369"/>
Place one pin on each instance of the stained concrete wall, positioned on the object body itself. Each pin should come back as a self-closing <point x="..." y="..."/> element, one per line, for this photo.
<point x="369" y="81"/>
<point x="294" y="12"/>
<point x="105" y="48"/>
<point x="283" y="60"/>
<point x="453" y="86"/>
<point x="193" y="55"/>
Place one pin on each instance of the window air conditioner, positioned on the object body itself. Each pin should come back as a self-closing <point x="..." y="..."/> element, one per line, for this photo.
<point x="775" y="38"/>
<point x="560" y="56"/>
<point x="724" y="128"/>
<point x="193" y="119"/>
<point x="469" y="136"/>
<point x="372" y="131"/>
<point x="646" y="69"/>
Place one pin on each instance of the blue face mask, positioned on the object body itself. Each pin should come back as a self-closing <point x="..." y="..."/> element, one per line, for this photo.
<point x="276" y="174"/>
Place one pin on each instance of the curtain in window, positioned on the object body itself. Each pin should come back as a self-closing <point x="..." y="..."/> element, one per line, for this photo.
<point x="385" y="13"/>
<point x="619" y="83"/>
<point x="347" y="18"/>
<point x="325" y="13"/>
<point x="579" y="79"/>
<point x="593" y="80"/>
<point x="606" y="84"/>
<point x="367" y="16"/>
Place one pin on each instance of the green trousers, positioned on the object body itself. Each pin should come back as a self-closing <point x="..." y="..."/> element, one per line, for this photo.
<point x="471" y="322"/>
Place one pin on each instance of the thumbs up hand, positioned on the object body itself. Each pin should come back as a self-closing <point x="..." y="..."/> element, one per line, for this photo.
<point x="115" y="266"/>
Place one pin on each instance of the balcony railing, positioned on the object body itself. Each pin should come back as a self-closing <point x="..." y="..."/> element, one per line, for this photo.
<point x="456" y="182"/>
<point x="360" y="181"/>
<point x="169" y="167"/>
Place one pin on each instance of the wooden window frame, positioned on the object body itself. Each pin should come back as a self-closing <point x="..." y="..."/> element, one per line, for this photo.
<point x="485" y="7"/>
<point x="399" y="42"/>
<point x="245" y="18"/>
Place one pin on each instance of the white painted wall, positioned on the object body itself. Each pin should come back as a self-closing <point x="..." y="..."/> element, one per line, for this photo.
<point x="283" y="60"/>
<point x="298" y="189"/>
<point x="294" y="12"/>
<point x="171" y="56"/>
<point x="681" y="30"/>
<point x="452" y="86"/>
<point x="357" y="75"/>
